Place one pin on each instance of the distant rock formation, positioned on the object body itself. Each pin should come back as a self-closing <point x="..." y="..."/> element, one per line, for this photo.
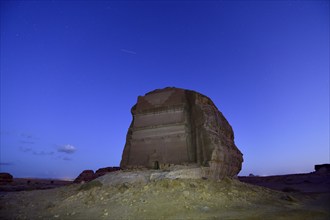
<point x="322" y="168"/>
<point x="86" y="176"/>
<point x="89" y="175"/>
<point x="6" y="178"/>
<point x="176" y="126"/>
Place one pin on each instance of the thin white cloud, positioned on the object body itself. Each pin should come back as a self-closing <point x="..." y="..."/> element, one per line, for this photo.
<point x="42" y="153"/>
<point x="35" y="152"/>
<point x="28" y="136"/>
<point x="27" y="142"/>
<point x="68" y="149"/>
<point x="6" y="164"/>
<point x="25" y="149"/>
<point x="60" y="157"/>
<point x="128" y="51"/>
<point x="67" y="158"/>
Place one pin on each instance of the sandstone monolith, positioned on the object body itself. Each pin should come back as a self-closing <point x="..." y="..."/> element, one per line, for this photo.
<point x="175" y="126"/>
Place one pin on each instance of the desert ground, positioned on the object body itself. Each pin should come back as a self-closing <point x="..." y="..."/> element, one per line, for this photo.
<point x="28" y="184"/>
<point x="129" y="195"/>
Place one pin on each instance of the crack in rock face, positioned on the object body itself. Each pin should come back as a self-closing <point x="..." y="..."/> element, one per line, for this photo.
<point x="174" y="126"/>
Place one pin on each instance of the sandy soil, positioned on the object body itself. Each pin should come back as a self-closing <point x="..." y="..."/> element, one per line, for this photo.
<point x="166" y="199"/>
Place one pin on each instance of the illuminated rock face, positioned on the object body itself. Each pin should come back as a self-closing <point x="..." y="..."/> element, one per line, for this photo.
<point x="174" y="126"/>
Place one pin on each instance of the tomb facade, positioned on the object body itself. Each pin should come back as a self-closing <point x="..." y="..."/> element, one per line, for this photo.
<point x="174" y="126"/>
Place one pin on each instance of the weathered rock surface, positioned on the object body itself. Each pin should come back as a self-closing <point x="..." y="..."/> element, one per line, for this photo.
<point x="176" y="126"/>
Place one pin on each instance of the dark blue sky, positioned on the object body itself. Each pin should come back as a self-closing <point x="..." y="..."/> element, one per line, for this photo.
<point x="71" y="71"/>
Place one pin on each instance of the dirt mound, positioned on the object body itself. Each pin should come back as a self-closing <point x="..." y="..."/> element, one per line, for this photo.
<point x="162" y="199"/>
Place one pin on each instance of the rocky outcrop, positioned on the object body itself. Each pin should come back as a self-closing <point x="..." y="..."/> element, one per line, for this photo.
<point x="6" y="178"/>
<point x="175" y="126"/>
<point x="322" y="168"/>
<point x="85" y="176"/>
<point x="88" y="175"/>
